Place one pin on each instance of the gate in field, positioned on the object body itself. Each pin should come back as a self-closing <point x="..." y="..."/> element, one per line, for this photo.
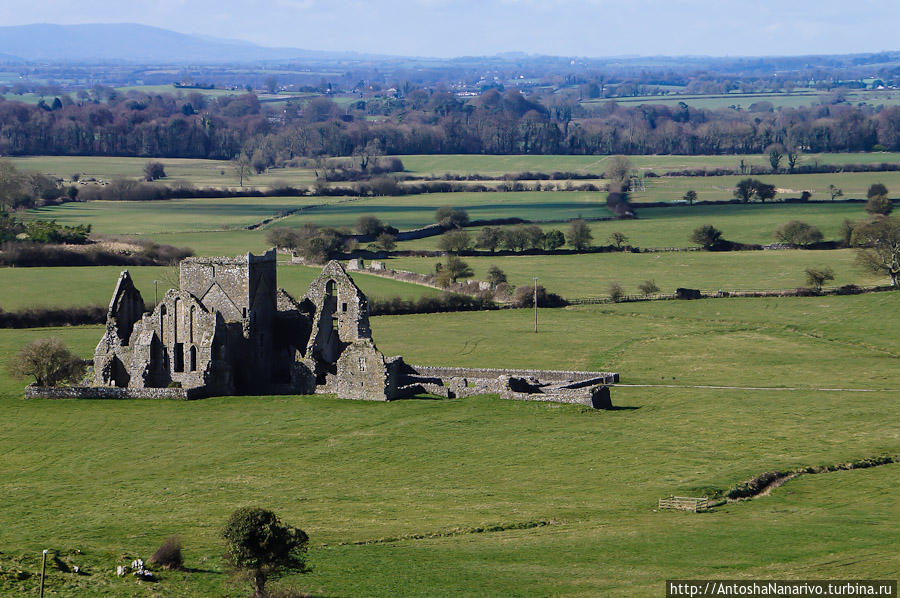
<point x="684" y="503"/>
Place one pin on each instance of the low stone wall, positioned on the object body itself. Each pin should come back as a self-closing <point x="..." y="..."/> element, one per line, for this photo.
<point x="547" y="375"/>
<point x="104" y="392"/>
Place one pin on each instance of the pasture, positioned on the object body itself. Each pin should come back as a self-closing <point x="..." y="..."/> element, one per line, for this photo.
<point x="589" y="275"/>
<point x="93" y="285"/>
<point x="672" y="227"/>
<point x="569" y="493"/>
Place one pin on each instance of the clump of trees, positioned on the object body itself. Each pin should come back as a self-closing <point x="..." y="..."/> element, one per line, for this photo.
<point x="579" y="235"/>
<point x="707" y="236"/>
<point x="260" y="547"/>
<point x="20" y="191"/>
<point x="455" y="241"/>
<point x="154" y="170"/>
<point x="313" y="243"/>
<point x="877" y="200"/>
<point x="451" y="270"/>
<point x="450" y="217"/>
<point x="523" y="296"/>
<point x="751" y="188"/>
<point x="798" y="233"/>
<point x="48" y="361"/>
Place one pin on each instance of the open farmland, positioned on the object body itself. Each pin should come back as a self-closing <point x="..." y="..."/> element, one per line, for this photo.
<point x="570" y="493"/>
<point x="93" y="285"/>
<point x="672" y="227"/>
<point x="589" y="275"/>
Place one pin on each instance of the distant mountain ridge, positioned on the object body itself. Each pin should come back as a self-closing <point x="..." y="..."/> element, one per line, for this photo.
<point x="131" y="43"/>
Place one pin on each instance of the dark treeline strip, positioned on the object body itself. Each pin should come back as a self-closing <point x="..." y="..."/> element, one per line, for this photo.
<point x="38" y="317"/>
<point x="137" y="124"/>
<point x="35" y="255"/>
<point x="446" y="302"/>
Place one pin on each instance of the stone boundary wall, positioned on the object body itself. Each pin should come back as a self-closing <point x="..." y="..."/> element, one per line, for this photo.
<point x="104" y="392"/>
<point x="548" y="375"/>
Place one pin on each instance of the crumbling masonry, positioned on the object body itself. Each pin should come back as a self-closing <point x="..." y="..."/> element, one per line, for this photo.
<point x="228" y="329"/>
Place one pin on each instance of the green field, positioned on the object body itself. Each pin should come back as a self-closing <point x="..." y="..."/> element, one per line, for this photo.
<point x="412" y="211"/>
<point x="93" y="285"/>
<point x="672" y="227"/>
<point x="200" y="173"/>
<point x="112" y="479"/>
<point x="744" y="101"/>
<point x="589" y="275"/>
<point x="497" y="165"/>
<point x="173" y="215"/>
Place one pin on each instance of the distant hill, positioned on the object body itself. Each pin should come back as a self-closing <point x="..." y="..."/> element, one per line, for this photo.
<point x="128" y="42"/>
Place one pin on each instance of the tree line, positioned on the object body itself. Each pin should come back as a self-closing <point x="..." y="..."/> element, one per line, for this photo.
<point x="138" y="124"/>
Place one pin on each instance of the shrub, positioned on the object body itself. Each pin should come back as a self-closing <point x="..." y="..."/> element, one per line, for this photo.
<point x="154" y="170"/>
<point x="648" y="287"/>
<point x="524" y="297"/>
<point x="369" y="225"/>
<point x="707" y="236"/>
<point x="446" y="302"/>
<point x="451" y="217"/>
<point x="618" y="239"/>
<point x="48" y="361"/>
<point x="168" y="556"/>
<point x="798" y="233"/>
<point x="554" y="239"/>
<point x="615" y="291"/>
<point x="879" y="205"/>
<point x="816" y="277"/>
<point x="496" y="276"/>
<point x="386" y="242"/>
<point x="455" y="269"/>
<point x="263" y="548"/>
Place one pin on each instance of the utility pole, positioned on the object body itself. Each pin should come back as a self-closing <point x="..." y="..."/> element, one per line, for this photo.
<point x="535" y="304"/>
<point x="43" y="568"/>
<point x="156" y="292"/>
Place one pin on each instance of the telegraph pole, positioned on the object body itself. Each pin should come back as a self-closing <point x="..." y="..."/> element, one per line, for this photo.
<point x="156" y="292"/>
<point x="535" y="304"/>
<point x="43" y="569"/>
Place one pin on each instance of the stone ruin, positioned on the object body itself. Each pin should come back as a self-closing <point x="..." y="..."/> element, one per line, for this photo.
<point x="229" y="330"/>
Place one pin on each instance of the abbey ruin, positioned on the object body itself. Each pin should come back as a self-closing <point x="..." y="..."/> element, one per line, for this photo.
<point x="228" y="329"/>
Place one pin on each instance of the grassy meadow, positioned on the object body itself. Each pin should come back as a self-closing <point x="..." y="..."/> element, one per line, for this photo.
<point x="570" y="492"/>
<point x="589" y="275"/>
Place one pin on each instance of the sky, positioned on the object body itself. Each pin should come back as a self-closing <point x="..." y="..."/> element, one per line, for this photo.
<point x="443" y="28"/>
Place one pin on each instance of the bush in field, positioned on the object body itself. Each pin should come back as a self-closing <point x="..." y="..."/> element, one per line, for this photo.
<point x="648" y="287"/>
<point x="879" y="205"/>
<point x="154" y="170"/>
<point x="386" y="242"/>
<point x="449" y="217"/>
<point x="618" y="239"/>
<point x="168" y="556"/>
<point x="370" y="225"/>
<point x="615" y="291"/>
<point x="259" y="546"/>
<point x="707" y="236"/>
<point x="524" y="297"/>
<point x="817" y="277"/>
<point x="798" y="233"/>
<point x="452" y="270"/>
<point x="496" y="276"/>
<point x="48" y="361"/>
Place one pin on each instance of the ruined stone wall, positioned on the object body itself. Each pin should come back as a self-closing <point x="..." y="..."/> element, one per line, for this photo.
<point x="94" y="392"/>
<point x="546" y="375"/>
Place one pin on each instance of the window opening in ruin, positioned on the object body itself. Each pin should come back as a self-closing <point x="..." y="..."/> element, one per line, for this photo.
<point x="178" y="357"/>
<point x="193" y="358"/>
<point x="244" y="312"/>
<point x="362" y="364"/>
<point x="343" y="307"/>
